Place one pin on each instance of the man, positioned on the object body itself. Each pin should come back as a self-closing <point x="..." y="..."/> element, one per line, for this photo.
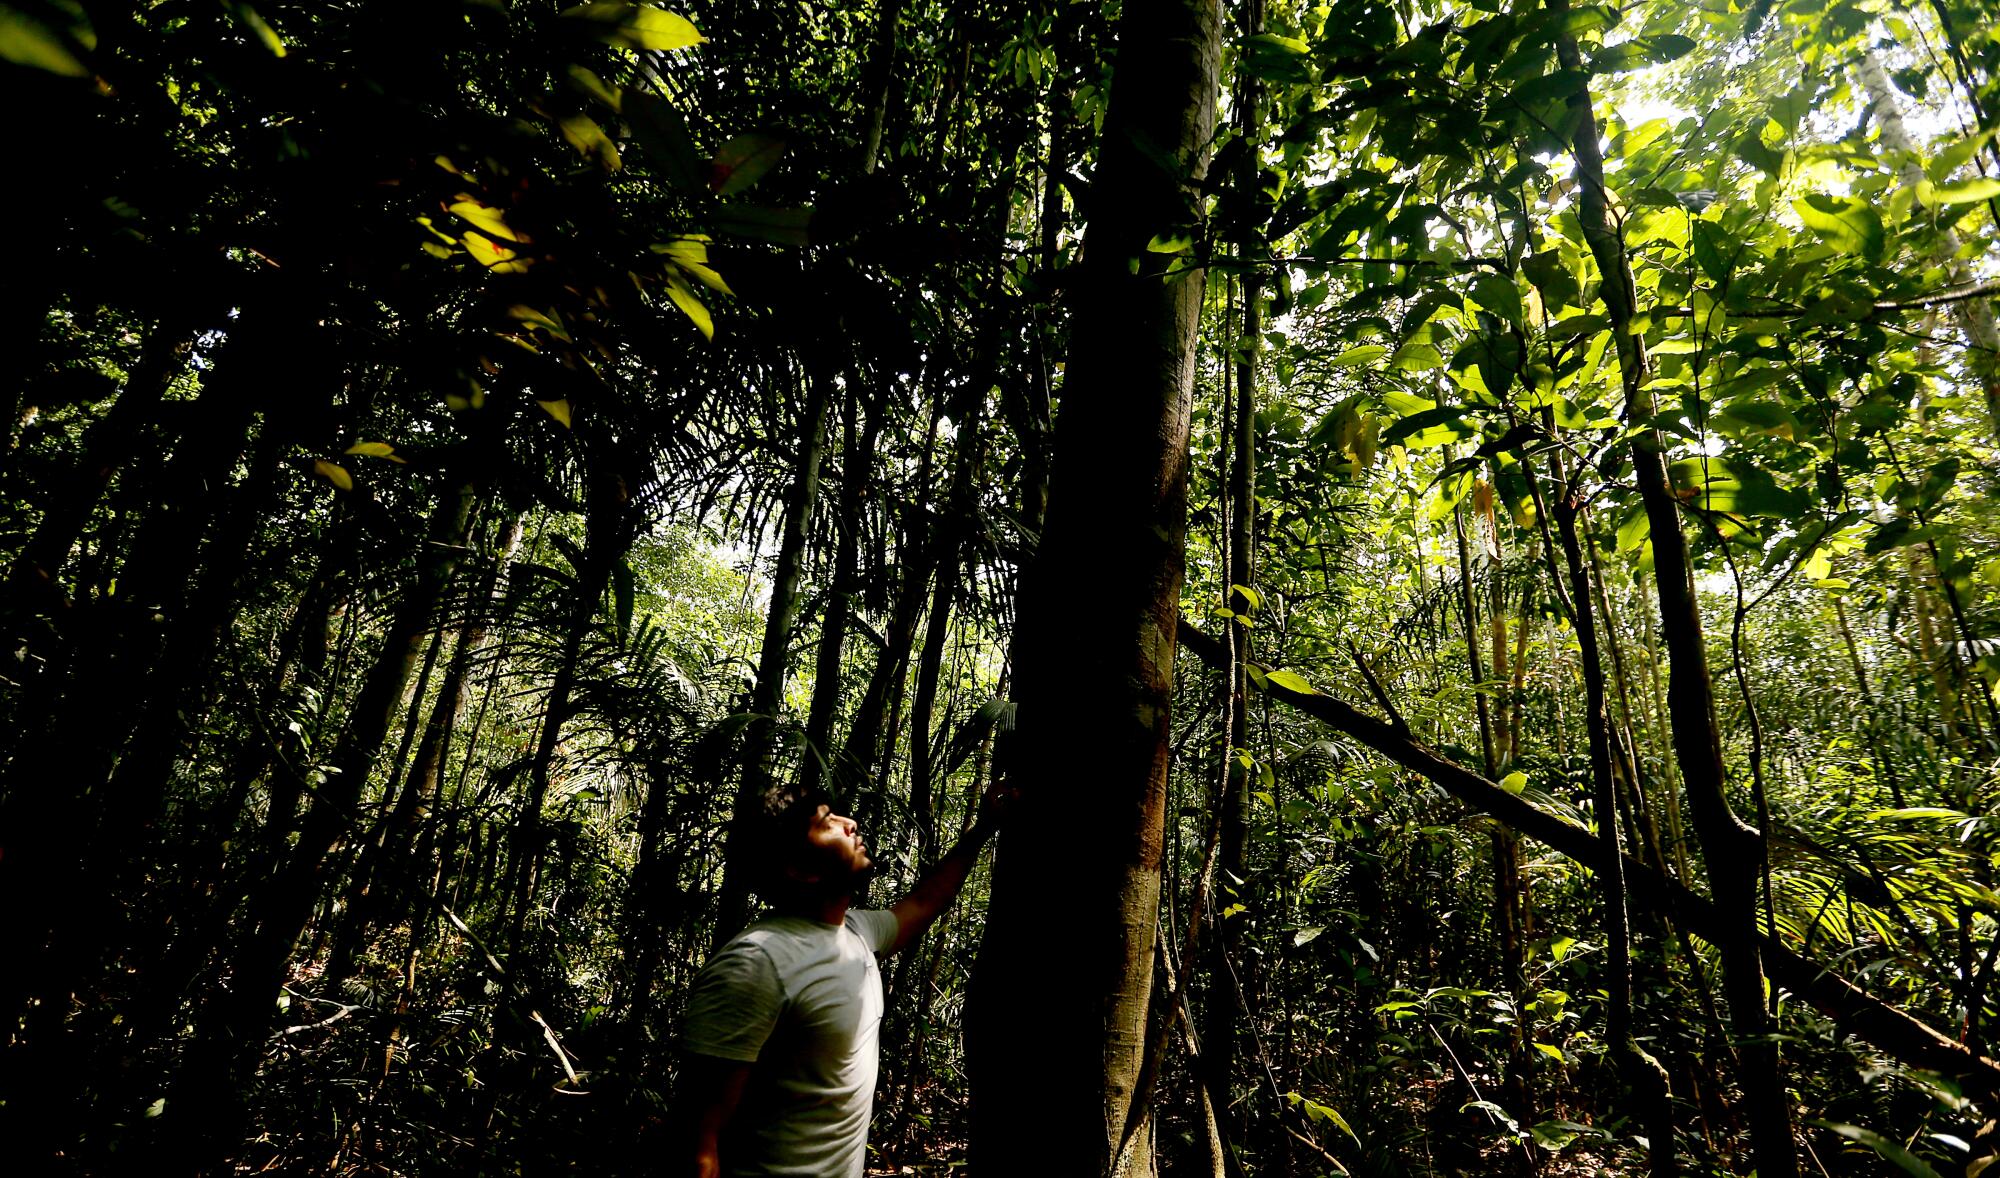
<point x="781" y="1028"/>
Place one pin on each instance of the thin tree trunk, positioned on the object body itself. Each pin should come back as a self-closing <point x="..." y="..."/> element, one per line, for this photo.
<point x="768" y="698"/>
<point x="207" y="1094"/>
<point x="1975" y="315"/>
<point x="1063" y="1050"/>
<point x="1644" y="1079"/>
<point x="1219" y="1039"/>
<point x="1731" y="849"/>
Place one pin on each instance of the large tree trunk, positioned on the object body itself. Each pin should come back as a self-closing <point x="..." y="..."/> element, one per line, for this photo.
<point x="1060" y="1048"/>
<point x="1731" y="849"/>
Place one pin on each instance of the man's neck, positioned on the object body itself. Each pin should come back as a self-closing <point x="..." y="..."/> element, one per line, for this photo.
<point x="824" y="909"/>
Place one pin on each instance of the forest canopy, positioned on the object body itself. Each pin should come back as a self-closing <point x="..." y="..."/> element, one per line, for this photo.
<point x="1473" y="526"/>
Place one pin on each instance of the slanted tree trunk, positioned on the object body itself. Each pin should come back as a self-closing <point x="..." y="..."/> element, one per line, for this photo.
<point x="1061" y="1049"/>
<point x="1731" y="849"/>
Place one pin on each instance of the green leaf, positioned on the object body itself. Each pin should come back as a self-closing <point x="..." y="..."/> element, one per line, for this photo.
<point x="1749" y="418"/>
<point x="1735" y="487"/>
<point x="782" y="226"/>
<point x="333" y="473"/>
<point x="1316" y="1111"/>
<point x="634" y="26"/>
<point x="1847" y="223"/>
<point x="1432" y="427"/>
<point x="1918" y="813"/>
<point x="255" y="25"/>
<point x="1514" y="782"/>
<point x="1552" y="1051"/>
<point x="1967" y="191"/>
<point x="743" y="161"/>
<point x="1891" y="1151"/>
<point x="1713" y="249"/>
<point x="1277" y="59"/>
<point x="25" y="40"/>
<point x="1357" y="356"/>
<point x="1498" y="294"/>
<point x="590" y="141"/>
<point x="1538" y="92"/>
<point x="558" y="409"/>
<point x="661" y="131"/>
<point x="1639" y="52"/>
<point x="692" y="307"/>
<point x="1291" y="681"/>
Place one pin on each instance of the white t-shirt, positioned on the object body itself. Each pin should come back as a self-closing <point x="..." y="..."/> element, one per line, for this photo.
<point x="803" y="1001"/>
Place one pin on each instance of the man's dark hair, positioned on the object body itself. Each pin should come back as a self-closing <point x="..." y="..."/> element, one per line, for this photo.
<point x="777" y="833"/>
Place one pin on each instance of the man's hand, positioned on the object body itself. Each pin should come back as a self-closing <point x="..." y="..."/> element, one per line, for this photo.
<point x="998" y="802"/>
<point x="939" y="886"/>
<point x="709" y="1092"/>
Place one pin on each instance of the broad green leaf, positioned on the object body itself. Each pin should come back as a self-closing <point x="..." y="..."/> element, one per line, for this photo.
<point x="1514" y="782"/>
<point x="558" y="409"/>
<point x="1432" y="427"/>
<point x="1357" y="356"/>
<point x="1735" y="487"/>
<point x="1498" y="294"/>
<point x="487" y="220"/>
<point x="1847" y="223"/>
<point x="1314" y="1110"/>
<point x="372" y="450"/>
<point x="25" y="40"/>
<point x="690" y="255"/>
<point x="590" y="141"/>
<point x="634" y="26"/>
<point x="662" y="132"/>
<point x="1891" y="1151"/>
<point x="1968" y="191"/>
<point x="1713" y="249"/>
<point x="1749" y="418"/>
<point x="590" y="85"/>
<point x="743" y="161"/>
<point x="691" y="306"/>
<point x="781" y="226"/>
<point x="255" y="25"/>
<point x="1639" y="52"/>
<point x="1552" y="1051"/>
<point x="333" y="473"/>
<point x="1291" y="681"/>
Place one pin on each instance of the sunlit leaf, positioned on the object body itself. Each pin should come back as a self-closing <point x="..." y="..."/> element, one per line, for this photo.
<point x="1291" y="681"/>
<point x="558" y="409"/>
<point x="590" y="141"/>
<point x="1967" y="191"/>
<point x="634" y="26"/>
<point x="690" y="305"/>
<point x="1847" y="223"/>
<point x="333" y="473"/>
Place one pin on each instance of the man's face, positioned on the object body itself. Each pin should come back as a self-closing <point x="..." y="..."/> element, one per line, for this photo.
<point x="835" y="853"/>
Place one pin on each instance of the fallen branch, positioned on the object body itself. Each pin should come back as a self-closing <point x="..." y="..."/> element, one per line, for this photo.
<point x="1892" y="1031"/>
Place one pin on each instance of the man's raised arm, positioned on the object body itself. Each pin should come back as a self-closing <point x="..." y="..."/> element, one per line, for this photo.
<point x="939" y="886"/>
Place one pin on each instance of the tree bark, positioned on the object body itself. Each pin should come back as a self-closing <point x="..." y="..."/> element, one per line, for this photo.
<point x="1062" y="1050"/>
<point x="1731" y="849"/>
